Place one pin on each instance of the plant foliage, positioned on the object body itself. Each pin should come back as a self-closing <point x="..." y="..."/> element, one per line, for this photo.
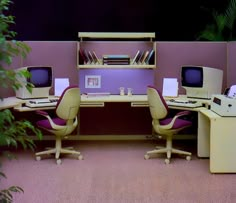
<point x="12" y="132"/>
<point x="10" y="48"/>
<point x="222" y="28"/>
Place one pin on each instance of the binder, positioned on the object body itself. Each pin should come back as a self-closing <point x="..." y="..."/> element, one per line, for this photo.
<point x="135" y="57"/>
<point x="144" y="57"/>
<point x="150" y="58"/>
<point x="95" y="57"/>
<point x="82" y="58"/>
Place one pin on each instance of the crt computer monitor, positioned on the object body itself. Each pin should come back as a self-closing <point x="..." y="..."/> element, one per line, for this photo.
<point x="201" y="82"/>
<point x="41" y="78"/>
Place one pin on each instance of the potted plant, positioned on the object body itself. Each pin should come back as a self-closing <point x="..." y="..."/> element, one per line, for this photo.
<point x="12" y="132"/>
<point x="222" y="28"/>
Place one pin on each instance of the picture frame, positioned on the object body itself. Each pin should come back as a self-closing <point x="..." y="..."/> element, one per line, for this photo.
<point x="92" y="81"/>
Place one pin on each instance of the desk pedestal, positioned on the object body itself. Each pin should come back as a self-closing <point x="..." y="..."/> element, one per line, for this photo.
<point x="223" y="145"/>
<point x="220" y="141"/>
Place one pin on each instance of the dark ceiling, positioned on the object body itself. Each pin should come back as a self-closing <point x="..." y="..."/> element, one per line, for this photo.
<point x="55" y="20"/>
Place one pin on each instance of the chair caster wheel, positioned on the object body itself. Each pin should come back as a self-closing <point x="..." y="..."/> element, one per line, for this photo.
<point x="38" y="158"/>
<point x="167" y="161"/>
<point x="80" y="157"/>
<point x="188" y="158"/>
<point x="146" y="156"/>
<point x="58" y="161"/>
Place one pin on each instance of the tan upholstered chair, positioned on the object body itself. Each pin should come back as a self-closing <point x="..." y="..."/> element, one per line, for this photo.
<point x="165" y="126"/>
<point x="63" y="124"/>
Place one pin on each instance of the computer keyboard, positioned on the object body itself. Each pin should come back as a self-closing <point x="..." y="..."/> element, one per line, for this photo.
<point x="184" y="103"/>
<point x="35" y="103"/>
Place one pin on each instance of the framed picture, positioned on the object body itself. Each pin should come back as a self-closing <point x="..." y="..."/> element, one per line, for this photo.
<point x="92" y="81"/>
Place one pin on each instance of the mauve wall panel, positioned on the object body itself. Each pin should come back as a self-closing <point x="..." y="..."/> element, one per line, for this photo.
<point x="60" y="55"/>
<point x="172" y="55"/>
<point x="231" y="72"/>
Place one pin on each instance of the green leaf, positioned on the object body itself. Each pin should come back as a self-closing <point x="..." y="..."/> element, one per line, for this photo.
<point x="12" y="132"/>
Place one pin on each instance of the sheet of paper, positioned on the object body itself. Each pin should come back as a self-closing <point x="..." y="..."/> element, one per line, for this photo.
<point x="232" y="91"/>
<point x="60" y="85"/>
<point x="170" y="87"/>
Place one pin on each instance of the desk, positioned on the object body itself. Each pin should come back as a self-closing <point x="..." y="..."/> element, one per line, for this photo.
<point x="136" y="101"/>
<point x="217" y="140"/>
<point x="99" y="101"/>
<point x="215" y="134"/>
<point x="10" y="102"/>
<point x="95" y="101"/>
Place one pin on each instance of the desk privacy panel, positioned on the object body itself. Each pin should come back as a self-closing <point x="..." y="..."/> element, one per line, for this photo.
<point x="112" y="79"/>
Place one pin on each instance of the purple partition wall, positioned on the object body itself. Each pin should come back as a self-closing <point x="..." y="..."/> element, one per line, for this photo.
<point x="60" y="55"/>
<point x="112" y="79"/>
<point x="172" y="55"/>
<point x="231" y="71"/>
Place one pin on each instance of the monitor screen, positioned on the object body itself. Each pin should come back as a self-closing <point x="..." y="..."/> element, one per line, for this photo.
<point x="192" y="76"/>
<point x="40" y="76"/>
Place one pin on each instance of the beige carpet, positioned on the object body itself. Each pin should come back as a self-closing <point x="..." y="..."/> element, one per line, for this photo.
<point x="116" y="172"/>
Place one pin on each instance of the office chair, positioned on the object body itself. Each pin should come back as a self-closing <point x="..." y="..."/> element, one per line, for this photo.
<point x="63" y="123"/>
<point x="164" y="125"/>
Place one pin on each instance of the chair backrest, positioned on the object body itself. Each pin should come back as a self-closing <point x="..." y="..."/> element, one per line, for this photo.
<point x="68" y="105"/>
<point x="157" y="105"/>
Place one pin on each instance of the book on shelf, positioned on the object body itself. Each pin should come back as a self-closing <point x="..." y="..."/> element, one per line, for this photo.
<point x="135" y="57"/>
<point x="141" y="57"/>
<point x="87" y="57"/>
<point x="91" y="58"/>
<point x="116" y="63"/>
<point x="138" y="57"/>
<point x="82" y="57"/>
<point x="144" y="57"/>
<point x="116" y="59"/>
<point x="116" y="56"/>
<point x="150" y="57"/>
<point x="95" y="57"/>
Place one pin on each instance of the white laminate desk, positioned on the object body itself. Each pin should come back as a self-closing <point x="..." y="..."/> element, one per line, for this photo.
<point x="10" y="102"/>
<point x="99" y="101"/>
<point x="18" y="104"/>
<point x="217" y="140"/>
<point x="91" y="101"/>
<point x="135" y="100"/>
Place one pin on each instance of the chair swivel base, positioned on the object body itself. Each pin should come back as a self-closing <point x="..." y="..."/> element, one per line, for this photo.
<point x="168" y="151"/>
<point x="57" y="153"/>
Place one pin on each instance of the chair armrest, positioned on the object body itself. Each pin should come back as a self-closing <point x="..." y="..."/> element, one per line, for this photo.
<point x="43" y="113"/>
<point x="183" y="113"/>
<point x="179" y="114"/>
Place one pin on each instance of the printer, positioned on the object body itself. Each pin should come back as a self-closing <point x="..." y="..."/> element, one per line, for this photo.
<point x="223" y="105"/>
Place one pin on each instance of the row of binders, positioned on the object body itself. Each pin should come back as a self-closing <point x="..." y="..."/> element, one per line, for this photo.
<point x="141" y="58"/>
<point x="144" y="57"/>
<point x="117" y="59"/>
<point x="88" y="57"/>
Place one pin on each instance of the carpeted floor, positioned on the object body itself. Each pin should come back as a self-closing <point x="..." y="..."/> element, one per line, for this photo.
<point x="116" y="172"/>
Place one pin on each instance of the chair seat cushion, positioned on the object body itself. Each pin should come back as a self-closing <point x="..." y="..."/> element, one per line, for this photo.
<point x="46" y="124"/>
<point x="179" y="123"/>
